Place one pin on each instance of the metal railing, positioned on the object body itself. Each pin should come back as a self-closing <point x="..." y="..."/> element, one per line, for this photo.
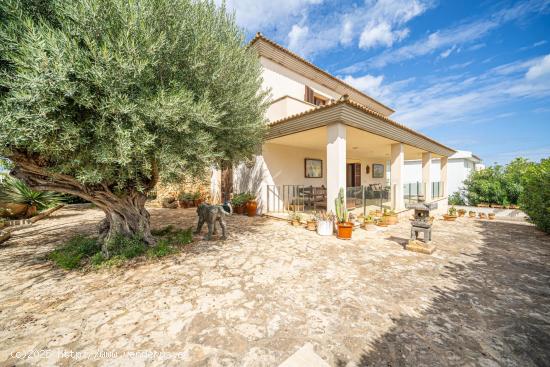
<point x="413" y="191"/>
<point x="283" y="198"/>
<point x="437" y="189"/>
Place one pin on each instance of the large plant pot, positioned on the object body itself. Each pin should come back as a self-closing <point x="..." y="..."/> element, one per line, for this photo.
<point x="449" y="218"/>
<point x="251" y="207"/>
<point x="16" y="209"/>
<point x="344" y="231"/>
<point x="390" y="219"/>
<point x="325" y="228"/>
<point x="31" y="211"/>
<point x="239" y="209"/>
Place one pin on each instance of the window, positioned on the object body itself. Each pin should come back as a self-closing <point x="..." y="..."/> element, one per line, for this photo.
<point x="319" y="101"/>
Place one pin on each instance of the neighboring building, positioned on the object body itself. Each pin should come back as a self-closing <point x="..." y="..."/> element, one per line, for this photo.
<point x="325" y="135"/>
<point x="459" y="167"/>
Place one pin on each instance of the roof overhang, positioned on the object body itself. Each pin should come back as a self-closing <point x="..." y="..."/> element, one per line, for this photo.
<point x="353" y="114"/>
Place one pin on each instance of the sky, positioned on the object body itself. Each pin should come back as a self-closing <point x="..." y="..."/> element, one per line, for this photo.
<point x="474" y="75"/>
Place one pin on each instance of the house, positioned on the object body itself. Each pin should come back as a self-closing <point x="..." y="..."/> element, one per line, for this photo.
<point x="325" y="135"/>
<point x="459" y="167"/>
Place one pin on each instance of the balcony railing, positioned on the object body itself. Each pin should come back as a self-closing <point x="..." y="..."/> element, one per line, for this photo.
<point x="437" y="189"/>
<point x="283" y="198"/>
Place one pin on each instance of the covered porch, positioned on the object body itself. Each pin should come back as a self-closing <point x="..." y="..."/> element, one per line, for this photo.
<point x="310" y="156"/>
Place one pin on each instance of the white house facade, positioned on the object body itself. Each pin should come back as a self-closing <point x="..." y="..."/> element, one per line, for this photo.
<point x="459" y="167"/>
<point x="324" y="135"/>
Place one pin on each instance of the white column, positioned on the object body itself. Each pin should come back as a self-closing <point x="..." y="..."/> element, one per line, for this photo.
<point x="443" y="175"/>
<point x="426" y="175"/>
<point x="215" y="186"/>
<point x="396" y="176"/>
<point x="336" y="162"/>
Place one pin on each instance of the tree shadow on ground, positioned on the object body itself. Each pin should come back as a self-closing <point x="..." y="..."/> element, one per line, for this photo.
<point x="499" y="315"/>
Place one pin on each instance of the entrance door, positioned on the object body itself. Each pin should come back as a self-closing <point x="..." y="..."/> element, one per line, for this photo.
<point x="353" y="174"/>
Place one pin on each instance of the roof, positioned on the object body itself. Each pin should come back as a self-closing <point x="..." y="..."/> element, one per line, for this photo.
<point x="465" y="154"/>
<point x="330" y="79"/>
<point x="345" y="100"/>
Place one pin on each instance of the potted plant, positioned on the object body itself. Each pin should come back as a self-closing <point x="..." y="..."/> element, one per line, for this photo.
<point x="325" y="223"/>
<point x="295" y="218"/>
<point x="483" y="205"/>
<point x="451" y="214"/>
<point x="183" y="199"/>
<point x="197" y="199"/>
<point x="22" y="201"/>
<point x="461" y="212"/>
<point x="482" y="215"/>
<point x="491" y="216"/>
<point x="389" y="217"/>
<point x="251" y="204"/>
<point x="238" y="203"/>
<point x="344" y="227"/>
<point x="472" y="214"/>
<point x="311" y="223"/>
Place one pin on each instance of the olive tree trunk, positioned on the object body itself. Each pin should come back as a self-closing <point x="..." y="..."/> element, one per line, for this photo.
<point x="125" y="213"/>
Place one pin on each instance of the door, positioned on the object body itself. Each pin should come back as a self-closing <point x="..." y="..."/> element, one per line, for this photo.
<point x="353" y="174"/>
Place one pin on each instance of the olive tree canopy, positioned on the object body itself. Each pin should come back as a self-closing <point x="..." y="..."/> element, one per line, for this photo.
<point x="98" y="98"/>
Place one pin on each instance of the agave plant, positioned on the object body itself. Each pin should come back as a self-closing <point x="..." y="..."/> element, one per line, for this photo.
<point x="16" y="191"/>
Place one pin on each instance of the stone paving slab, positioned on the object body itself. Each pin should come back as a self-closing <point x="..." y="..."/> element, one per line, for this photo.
<point x="483" y="298"/>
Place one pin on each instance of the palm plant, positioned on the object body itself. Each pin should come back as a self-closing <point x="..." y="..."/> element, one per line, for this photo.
<point x="16" y="191"/>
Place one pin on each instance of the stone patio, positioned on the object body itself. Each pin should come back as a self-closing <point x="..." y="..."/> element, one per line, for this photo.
<point x="483" y="298"/>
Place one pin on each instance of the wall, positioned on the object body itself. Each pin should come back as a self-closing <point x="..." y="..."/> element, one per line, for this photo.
<point x="367" y="179"/>
<point x="286" y="106"/>
<point x="283" y="82"/>
<point x="457" y="171"/>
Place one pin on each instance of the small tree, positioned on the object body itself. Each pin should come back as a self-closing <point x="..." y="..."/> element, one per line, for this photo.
<point x="99" y="98"/>
<point x="535" y="196"/>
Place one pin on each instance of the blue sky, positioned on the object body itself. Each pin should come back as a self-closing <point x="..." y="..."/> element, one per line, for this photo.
<point x="472" y="74"/>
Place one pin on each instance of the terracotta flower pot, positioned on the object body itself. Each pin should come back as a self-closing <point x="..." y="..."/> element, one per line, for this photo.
<point x="197" y="202"/>
<point x="390" y="219"/>
<point x="449" y="218"/>
<point x="251" y="207"/>
<point x="295" y="222"/>
<point x="491" y="216"/>
<point x="344" y="230"/>
<point x="31" y="211"/>
<point x="239" y="209"/>
<point x="311" y="225"/>
<point x="472" y="214"/>
<point x="482" y="216"/>
<point x="16" y="209"/>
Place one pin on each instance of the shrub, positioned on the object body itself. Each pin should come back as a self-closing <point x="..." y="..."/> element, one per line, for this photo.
<point x="535" y="196"/>
<point x="162" y="231"/>
<point x="127" y="247"/>
<point x="13" y="190"/>
<point x="456" y="199"/>
<point x="72" y="254"/>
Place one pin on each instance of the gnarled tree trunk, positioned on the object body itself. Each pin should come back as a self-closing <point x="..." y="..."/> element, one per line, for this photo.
<point x="125" y="213"/>
<point x="125" y="217"/>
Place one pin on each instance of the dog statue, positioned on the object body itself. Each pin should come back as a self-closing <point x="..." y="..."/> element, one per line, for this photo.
<point x="212" y="214"/>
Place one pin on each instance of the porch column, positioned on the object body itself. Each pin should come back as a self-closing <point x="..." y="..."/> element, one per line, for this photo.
<point x="443" y="175"/>
<point x="396" y="176"/>
<point x="336" y="163"/>
<point x="426" y="175"/>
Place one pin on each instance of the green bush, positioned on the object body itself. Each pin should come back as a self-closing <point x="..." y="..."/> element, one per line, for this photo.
<point x="535" y="195"/>
<point x="127" y="247"/>
<point x="73" y="253"/>
<point x="13" y="190"/>
<point x="456" y="199"/>
<point x="497" y="184"/>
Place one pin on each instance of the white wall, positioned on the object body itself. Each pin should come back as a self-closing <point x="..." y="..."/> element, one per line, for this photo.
<point x="285" y="82"/>
<point x="457" y="171"/>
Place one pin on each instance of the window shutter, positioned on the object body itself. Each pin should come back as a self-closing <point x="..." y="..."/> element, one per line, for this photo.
<point x="308" y="97"/>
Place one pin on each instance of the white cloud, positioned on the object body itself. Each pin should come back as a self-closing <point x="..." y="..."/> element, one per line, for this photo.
<point x="540" y="69"/>
<point x="260" y="16"/>
<point x="447" y="52"/>
<point x="297" y="36"/>
<point x="461" y="98"/>
<point x="458" y="35"/>
<point x="380" y="34"/>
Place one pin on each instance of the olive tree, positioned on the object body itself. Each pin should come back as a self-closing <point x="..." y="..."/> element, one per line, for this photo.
<point x="100" y="98"/>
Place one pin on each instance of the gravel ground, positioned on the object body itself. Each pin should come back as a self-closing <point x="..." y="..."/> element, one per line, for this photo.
<point x="483" y="298"/>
